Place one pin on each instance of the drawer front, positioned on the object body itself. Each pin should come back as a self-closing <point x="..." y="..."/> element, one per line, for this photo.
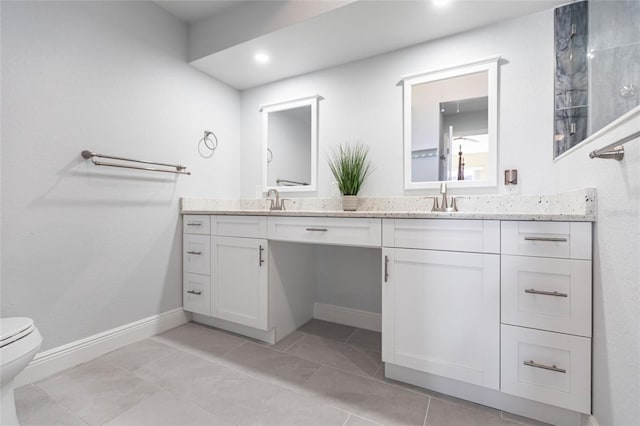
<point x="196" y="295"/>
<point x="239" y="226"/>
<point x="570" y="240"/>
<point x="549" y="294"/>
<point x="195" y="224"/>
<point x="480" y="236"/>
<point x="552" y="368"/>
<point x="195" y="254"/>
<point x="338" y="231"/>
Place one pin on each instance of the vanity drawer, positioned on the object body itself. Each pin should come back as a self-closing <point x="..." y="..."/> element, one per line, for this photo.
<point x="570" y="240"/>
<point x="196" y="294"/>
<point x="552" y="368"/>
<point x="195" y="254"/>
<point x="545" y="293"/>
<point x="480" y="236"/>
<point x="239" y="226"/>
<point x="195" y="224"/>
<point x="327" y="230"/>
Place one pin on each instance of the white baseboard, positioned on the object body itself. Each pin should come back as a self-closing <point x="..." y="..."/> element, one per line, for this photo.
<point x="57" y="359"/>
<point x="348" y="316"/>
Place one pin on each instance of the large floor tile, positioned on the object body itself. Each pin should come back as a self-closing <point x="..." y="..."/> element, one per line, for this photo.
<point x="354" y="420"/>
<point x="200" y="340"/>
<point x="366" y="339"/>
<point x="163" y="409"/>
<point x="136" y="355"/>
<point x="36" y="408"/>
<point x="97" y="391"/>
<point x="260" y="403"/>
<point x="444" y="413"/>
<point x="329" y="330"/>
<point x="285" y="343"/>
<point x="271" y="365"/>
<point x="191" y="378"/>
<point x="368" y="398"/>
<point x="337" y="354"/>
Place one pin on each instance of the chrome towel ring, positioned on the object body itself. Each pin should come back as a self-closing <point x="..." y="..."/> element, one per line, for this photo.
<point x="208" y="144"/>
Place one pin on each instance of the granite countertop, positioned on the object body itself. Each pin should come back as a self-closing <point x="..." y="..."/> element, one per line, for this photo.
<point x="576" y="206"/>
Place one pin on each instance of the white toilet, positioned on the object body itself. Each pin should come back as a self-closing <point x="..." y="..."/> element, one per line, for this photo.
<point x="19" y="342"/>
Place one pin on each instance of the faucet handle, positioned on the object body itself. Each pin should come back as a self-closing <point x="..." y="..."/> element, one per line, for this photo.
<point x="282" y="206"/>
<point x="436" y="205"/>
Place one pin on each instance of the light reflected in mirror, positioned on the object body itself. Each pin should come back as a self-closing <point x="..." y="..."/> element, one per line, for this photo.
<point x="289" y="138"/>
<point x="450" y="132"/>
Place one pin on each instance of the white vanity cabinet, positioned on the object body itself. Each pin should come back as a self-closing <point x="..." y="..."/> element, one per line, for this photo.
<point x="196" y="283"/>
<point x="441" y="305"/>
<point x="546" y="312"/>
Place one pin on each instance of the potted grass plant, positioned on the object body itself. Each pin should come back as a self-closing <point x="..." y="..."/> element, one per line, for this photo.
<point x="350" y="167"/>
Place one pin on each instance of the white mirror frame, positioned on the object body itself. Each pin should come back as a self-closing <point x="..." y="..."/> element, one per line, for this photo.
<point x="311" y="101"/>
<point x="490" y="65"/>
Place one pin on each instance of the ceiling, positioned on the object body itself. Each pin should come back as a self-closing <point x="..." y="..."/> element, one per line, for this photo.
<point x="353" y="31"/>
<point x="190" y="11"/>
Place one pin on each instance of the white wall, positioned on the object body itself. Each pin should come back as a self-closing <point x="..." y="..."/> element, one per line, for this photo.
<point x="616" y="271"/>
<point x="86" y="248"/>
<point x="364" y="102"/>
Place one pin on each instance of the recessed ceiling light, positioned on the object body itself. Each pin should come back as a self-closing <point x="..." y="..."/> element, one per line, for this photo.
<point x="261" y="58"/>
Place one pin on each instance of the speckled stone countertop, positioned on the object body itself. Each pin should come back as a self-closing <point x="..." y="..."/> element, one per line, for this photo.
<point x="569" y="206"/>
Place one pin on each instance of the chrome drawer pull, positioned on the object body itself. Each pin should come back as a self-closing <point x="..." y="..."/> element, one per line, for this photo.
<point x="546" y="293"/>
<point x="194" y="224"/>
<point x="317" y="229"/>
<point x="198" y="293"/>
<point x="386" y="268"/>
<point x="198" y="253"/>
<point x="544" y="367"/>
<point x="548" y="239"/>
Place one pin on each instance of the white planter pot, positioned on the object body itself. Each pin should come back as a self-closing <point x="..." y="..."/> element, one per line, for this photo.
<point x="350" y="203"/>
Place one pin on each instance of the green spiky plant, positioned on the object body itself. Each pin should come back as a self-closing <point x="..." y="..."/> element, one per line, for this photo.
<point x="350" y="167"/>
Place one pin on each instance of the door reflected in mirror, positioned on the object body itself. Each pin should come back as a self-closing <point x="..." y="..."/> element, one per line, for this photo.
<point x="450" y="126"/>
<point x="290" y="141"/>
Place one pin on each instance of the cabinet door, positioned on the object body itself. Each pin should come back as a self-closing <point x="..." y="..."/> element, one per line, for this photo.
<point x="239" y="280"/>
<point x="441" y="313"/>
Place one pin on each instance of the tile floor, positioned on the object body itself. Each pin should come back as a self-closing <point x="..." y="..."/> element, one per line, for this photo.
<point x="323" y="374"/>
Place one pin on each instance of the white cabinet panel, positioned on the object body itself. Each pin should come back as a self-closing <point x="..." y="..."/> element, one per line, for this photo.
<point x="548" y="294"/>
<point x="195" y="254"/>
<point x="548" y="367"/>
<point x="239" y="226"/>
<point x="195" y="224"/>
<point x="570" y="240"/>
<point x="440" y="313"/>
<point x="327" y="230"/>
<point x="239" y="280"/>
<point x="197" y="294"/>
<point x="480" y="236"/>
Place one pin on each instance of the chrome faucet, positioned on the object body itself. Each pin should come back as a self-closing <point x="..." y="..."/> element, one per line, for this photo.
<point x="277" y="203"/>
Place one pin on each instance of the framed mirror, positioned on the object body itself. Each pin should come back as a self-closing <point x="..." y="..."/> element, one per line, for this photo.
<point x="450" y="126"/>
<point x="290" y="141"/>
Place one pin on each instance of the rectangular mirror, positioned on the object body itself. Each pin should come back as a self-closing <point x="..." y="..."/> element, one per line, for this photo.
<point x="289" y="135"/>
<point x="450" y="126"/>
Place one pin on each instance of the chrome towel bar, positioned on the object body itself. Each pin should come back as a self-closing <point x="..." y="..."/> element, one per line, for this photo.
<point x="614" y="150"/>
<point x="88" y="155"/>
